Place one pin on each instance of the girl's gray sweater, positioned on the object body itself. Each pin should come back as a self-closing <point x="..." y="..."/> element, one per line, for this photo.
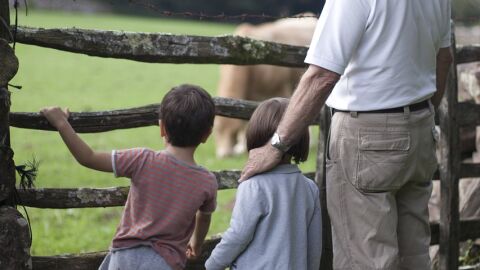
<point x="276" y="224"/>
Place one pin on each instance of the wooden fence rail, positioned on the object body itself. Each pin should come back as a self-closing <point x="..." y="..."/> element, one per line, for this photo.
<point x="87" y="261"/>
<point x="91" y="122"/>
<point x="469" y="170"/>
<point x="102" y="121"/>
<point x="468" y="114"/>
<point x="61" y="198"/>
<point x="168" y="48"/>
<point x="92" y="260"/>
<point x="165" y="48"/>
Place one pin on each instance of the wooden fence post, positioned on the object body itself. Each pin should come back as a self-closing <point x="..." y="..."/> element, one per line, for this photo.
<point x="326" y="262"/>
<point x="15" y="240"/>
<point x="8" y="68"/>
<point x="449" y="172"/>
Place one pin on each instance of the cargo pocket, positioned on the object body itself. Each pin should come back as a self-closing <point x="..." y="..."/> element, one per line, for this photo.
<point x="382" y="158"/>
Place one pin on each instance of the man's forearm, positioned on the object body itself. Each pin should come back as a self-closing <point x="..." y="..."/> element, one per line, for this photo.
<point x="312" y="91"/>
<point x="444" y="60"/>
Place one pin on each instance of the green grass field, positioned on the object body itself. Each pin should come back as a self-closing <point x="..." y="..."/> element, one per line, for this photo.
<point x="84" y="83"/>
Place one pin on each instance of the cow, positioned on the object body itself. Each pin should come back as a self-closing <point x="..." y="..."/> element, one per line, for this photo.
<point x="259" y="82"/>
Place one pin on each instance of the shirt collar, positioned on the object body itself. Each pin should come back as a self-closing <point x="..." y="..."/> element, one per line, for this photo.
<point x="285" y="168"/>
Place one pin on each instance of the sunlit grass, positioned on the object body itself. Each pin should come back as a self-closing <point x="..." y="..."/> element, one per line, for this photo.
<point x="83" y="83"/>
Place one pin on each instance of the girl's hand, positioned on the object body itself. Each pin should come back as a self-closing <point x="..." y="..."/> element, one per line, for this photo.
<point x="56" y="116"/>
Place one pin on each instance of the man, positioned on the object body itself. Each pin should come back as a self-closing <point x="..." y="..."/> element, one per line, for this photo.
<point x="381" y="64"/>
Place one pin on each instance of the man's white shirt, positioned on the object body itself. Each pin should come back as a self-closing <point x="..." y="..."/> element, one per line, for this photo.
<point x="385" y="50"/>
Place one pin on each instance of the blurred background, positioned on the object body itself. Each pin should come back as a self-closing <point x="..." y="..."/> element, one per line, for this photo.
<point x="83" y="83"/>
<point x="210" y="7"/>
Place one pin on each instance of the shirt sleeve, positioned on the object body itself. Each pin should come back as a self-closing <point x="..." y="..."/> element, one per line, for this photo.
<point x="338" y="32"/>
<point x="446" y="40"/>
<point x="210" y="203"/>
<point x="248" y="210"/>
<point x="315" y="236"/>
<point x="126" y="162"/>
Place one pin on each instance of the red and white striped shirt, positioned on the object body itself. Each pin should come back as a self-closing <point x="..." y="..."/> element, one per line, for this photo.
<point x="164" y="197"/>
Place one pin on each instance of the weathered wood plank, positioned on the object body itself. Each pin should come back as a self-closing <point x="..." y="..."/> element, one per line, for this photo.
<point x="15" y="240"/>
<point x="85" y="261"/>
<point x="470" y="230"/>
<point x="467" y="54"/>
<point x="168" y="48"/>
<point x="8" y="63"/>
<point x="61" y="198"/>
<point x="165" y="48"/>
<point x="470" y="170"/>
<point x="91" y="122"/>
<point x="5" y="17"/>
<point x="449" y="172"/>
<point x="8" y="68"/>
<point x="326" y="261"/>
<point x="90" y="261"/>
<point x="468" y="114"/>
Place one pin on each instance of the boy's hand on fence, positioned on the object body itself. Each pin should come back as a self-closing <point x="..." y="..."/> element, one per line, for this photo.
<point x="261" y="160"/>
<point x="56" y="116"/>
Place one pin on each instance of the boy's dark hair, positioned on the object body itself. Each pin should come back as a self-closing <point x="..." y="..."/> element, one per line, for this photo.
<point x="264" y="123"/>
<point x="187" y="112"/>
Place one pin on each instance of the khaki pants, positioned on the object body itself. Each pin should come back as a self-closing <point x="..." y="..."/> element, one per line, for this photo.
<point x="379" y="171"/>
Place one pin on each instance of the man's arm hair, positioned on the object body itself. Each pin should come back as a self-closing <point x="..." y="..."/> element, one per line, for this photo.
<point x="312" y="91"/>
<point x="444" y="60"/>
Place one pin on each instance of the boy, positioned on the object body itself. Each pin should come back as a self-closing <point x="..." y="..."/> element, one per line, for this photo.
<point x="171" y="198"/>
<point x="276" y="221"/>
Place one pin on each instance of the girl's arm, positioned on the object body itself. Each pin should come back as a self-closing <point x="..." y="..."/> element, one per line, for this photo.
<point x="248" y="210"/>
<point x="314" y="244"/>
<point x="82" y="152"/>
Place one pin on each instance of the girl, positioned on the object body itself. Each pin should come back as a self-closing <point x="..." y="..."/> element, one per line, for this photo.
<point x="276" y="221"/>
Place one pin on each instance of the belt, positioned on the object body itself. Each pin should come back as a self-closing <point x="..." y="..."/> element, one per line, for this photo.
<point x="413" y="107"/>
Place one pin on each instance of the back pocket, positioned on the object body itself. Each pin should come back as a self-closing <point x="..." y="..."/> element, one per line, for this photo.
<point x="382" y="160"/>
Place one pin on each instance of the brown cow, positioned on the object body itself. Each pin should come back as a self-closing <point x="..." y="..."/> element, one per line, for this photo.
<point x="259" y="82"/>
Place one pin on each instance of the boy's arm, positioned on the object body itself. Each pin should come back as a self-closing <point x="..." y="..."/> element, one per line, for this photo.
<point x="248" y="210"/>
<point x="101" y="161"/>
<point x="202" y="223"/>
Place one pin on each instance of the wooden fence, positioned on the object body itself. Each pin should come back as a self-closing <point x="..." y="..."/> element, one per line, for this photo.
<point x="165" y="48"/>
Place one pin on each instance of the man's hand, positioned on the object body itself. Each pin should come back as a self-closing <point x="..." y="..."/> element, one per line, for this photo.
<point x="56" y="116"/>
<point x="261" y="160"/>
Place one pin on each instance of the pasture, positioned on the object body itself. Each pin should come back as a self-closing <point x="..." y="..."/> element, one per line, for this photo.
<point x="83" y="83"/>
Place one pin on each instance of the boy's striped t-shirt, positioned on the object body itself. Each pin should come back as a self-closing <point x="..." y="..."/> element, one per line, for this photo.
<point x="164" y="197"/>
